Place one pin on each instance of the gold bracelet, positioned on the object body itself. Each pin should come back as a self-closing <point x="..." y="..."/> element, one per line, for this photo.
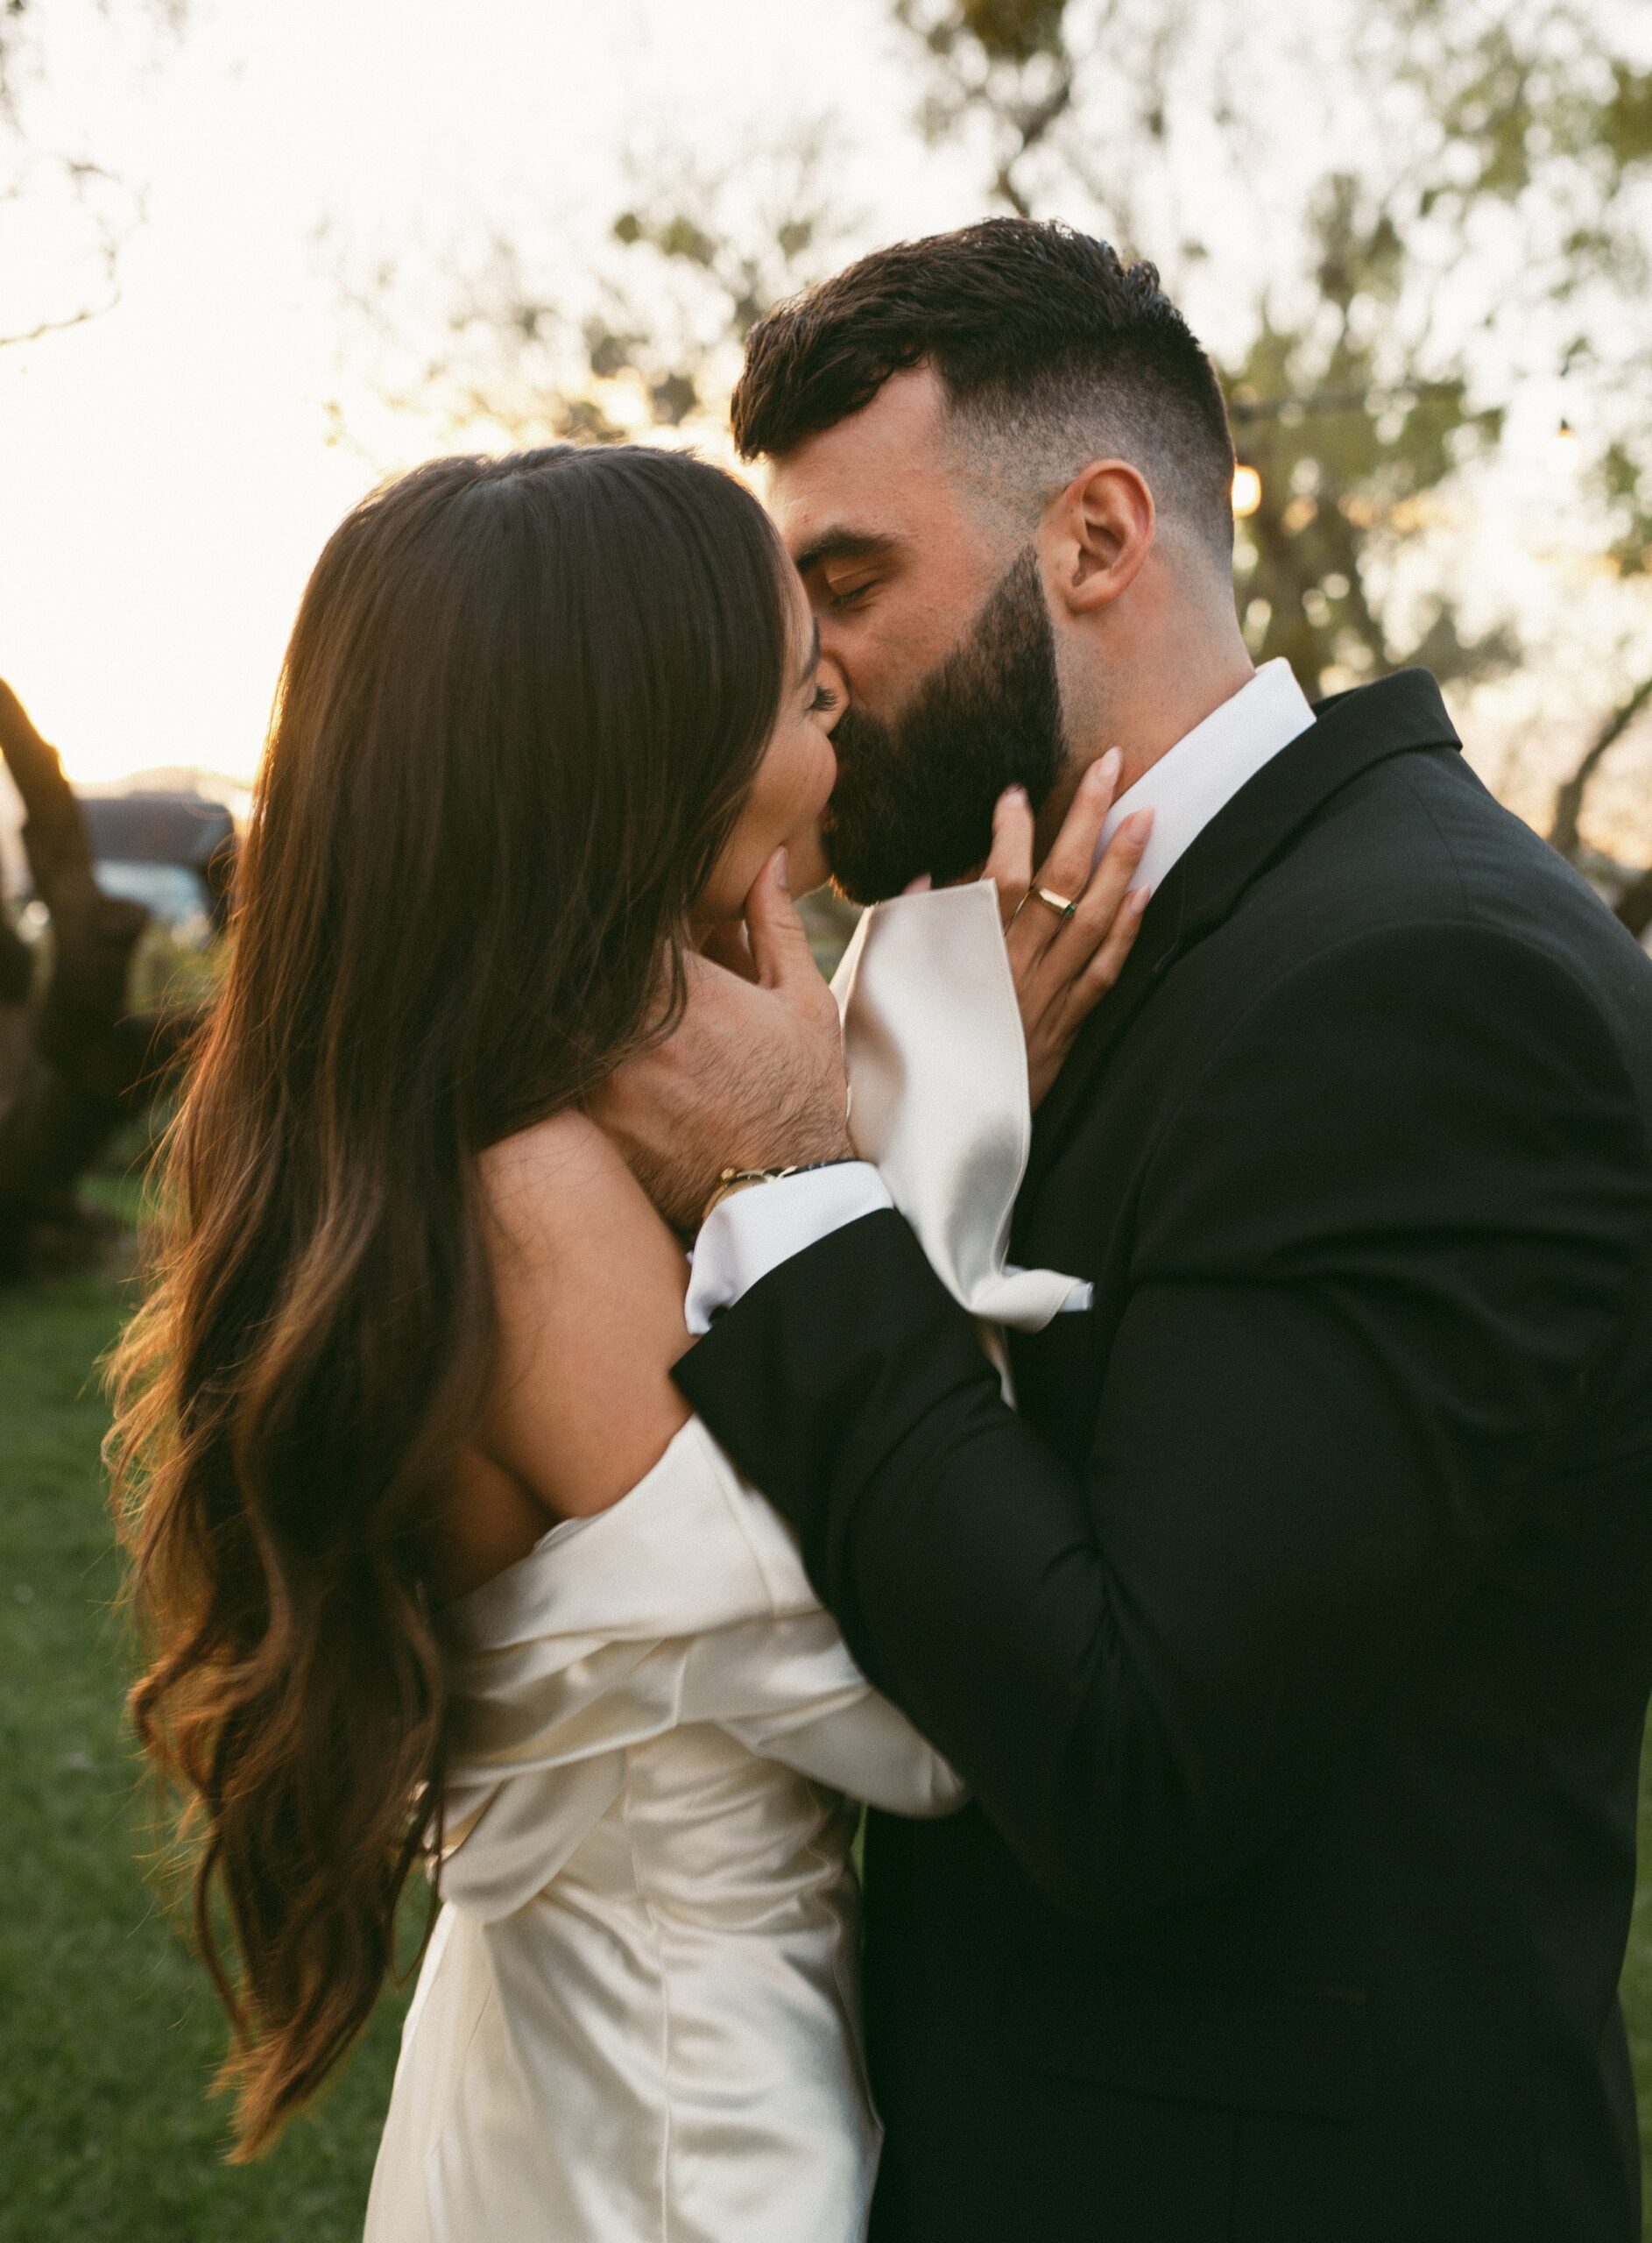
<point x="736" y="1179"/>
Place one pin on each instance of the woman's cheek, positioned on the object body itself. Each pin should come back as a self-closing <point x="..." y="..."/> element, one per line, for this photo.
<point x="809" y="869"/>
<point x="806" y="868"/>
<point x="792" y="788"/>
<point x="759" y="834"/>
<point x="816" y="779"/>
<point x="787" y="798"/>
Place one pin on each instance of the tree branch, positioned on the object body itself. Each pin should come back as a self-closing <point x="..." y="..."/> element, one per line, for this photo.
<point x="74" y="1063"/>
<point x="1568" y="798"/>
<point x="16" y="965"/>
<point x="112" y="241"/>
<point x="1634" y="907"/>
<point x="94" y="935"/>
<point x="62" y="326"/>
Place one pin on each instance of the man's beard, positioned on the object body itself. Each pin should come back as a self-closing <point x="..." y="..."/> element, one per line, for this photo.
<point x="917" y="795"/>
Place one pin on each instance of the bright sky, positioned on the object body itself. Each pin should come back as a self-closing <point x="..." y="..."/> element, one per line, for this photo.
<point x="166" y="473"/>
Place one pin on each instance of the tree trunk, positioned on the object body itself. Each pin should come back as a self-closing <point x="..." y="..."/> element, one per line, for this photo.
<point x="74" y="1062"/>
<point x="1634" y="907"/>
<point x="1569" y="799"/>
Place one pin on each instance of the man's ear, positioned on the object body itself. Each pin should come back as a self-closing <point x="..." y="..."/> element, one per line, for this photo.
<point x="1096" y="535"/>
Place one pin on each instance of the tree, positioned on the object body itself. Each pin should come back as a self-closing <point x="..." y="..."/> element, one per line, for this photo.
<point x="1508" y="143"/>
<point x="65" y="218"/>
<point x="641" y="338"/>
<point x="1626" y="473"/>
<point x="76" y="1059"/>
<point x="1569" y="801"/>
<point x="1387" y="217"/>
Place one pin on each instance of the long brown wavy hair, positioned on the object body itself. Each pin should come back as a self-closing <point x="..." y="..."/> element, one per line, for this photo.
<point x="521" y="707"/>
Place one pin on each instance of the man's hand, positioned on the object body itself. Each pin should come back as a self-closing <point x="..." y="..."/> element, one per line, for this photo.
<point x="751" y="1078"/>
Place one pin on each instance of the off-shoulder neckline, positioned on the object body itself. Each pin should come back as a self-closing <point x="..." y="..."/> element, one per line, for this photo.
<point x="470" y="1607"/>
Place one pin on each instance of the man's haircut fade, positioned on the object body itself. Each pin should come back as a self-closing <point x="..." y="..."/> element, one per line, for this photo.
<point x="1044" y="339"/>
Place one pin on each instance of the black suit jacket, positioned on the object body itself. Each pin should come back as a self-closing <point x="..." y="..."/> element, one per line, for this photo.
<point x="1296" y="1636"/>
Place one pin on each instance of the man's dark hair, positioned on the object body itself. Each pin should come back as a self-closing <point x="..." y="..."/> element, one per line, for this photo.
<point x="1051" y="349"/>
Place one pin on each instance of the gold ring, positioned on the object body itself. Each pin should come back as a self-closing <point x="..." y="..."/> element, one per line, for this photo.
<point x="1062" y="906"/>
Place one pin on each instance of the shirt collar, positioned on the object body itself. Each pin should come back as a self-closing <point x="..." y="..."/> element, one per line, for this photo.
<point x="1200" y="775"/>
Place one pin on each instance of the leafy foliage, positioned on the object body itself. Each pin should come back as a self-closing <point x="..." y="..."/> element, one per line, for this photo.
<point x="648" y="340"/>
<point x="1465" y="212"/>
<point x="1347" y="462"/>
<point x="1481" y="217"/>
<point x="1362" y="392"/>
<point x="1006" y="58"/>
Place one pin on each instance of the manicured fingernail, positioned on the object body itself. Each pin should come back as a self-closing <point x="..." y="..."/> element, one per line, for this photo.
<point x="783" y="870"/>
<point x="1017" y="795"/>
<point x="921" y="886"/>
<point x="1138" y="825"/>
<point x="1137" y="901"/>
<point x="1105" y="773"/>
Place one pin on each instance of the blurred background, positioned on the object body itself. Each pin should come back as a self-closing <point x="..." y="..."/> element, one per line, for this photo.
<point x="253" y="259"/>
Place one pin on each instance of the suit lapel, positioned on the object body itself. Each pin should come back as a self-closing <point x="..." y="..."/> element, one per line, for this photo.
<point x="1397" y="716"/>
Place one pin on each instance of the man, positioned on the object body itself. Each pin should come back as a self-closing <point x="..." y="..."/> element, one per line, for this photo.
<point x="1295" y="1635"/>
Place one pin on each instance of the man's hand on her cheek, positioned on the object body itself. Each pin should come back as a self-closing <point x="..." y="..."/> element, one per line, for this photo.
<point x="751" y="1078"/>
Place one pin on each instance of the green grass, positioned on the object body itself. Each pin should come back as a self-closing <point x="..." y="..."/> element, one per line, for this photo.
<point x="109" y="2034"/>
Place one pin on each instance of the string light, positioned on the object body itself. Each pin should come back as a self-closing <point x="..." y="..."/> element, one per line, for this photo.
<point x="1248" y="490"/>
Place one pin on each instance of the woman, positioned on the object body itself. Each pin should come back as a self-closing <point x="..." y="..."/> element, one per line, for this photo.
<point x="544" y="722"/>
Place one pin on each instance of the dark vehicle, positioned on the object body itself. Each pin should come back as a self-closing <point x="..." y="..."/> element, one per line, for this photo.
<point x="174" y="853"/>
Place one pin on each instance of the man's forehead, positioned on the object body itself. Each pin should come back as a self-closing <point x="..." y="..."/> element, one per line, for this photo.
<point x="877" y="473"/>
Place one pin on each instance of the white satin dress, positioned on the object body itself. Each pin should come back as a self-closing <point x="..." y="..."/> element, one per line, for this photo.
<point x="637" y="2020"/>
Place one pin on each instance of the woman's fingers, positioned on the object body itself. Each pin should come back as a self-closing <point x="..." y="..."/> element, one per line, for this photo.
<point x="1054" y="1005"/>
<point x="1070" y="976"/>
<point x="1010" y="864"/>
<point x="1064" y="962"/>
<point x="1076" y="942"/>
<point x="1066" y="871"/>
<point x="1072" y="855"/>
<point x="1093" y="983"/>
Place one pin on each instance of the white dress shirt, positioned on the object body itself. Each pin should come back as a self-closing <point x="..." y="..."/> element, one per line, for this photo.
<point x="754" y="1231"/>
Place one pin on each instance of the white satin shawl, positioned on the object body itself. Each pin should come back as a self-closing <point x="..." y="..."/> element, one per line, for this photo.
<point x="938" y="1093"/>
<point x="684" y="1603"/>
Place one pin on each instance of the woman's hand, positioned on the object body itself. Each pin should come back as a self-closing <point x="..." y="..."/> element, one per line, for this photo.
<point x="1064" y="965"/>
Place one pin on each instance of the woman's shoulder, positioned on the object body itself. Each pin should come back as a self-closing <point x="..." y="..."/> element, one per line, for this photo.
<point x="543" y="1178"/>
<point x="565" y="1214"/>
<point x="691" y="1552"/>
<point x="587" y="1289"/>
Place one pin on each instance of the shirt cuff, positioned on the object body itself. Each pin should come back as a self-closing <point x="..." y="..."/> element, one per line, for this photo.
<point x="754" y="1231"/>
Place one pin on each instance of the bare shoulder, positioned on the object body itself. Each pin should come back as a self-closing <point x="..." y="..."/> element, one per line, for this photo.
<point x="547" y="1174"/>
<point x="560" y="1192"/>
<point x="589" y="1287"/>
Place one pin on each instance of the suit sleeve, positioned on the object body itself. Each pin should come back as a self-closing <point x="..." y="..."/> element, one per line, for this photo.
<point x="1377" y="1255"/>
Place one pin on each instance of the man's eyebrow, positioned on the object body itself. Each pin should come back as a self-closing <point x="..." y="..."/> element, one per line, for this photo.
<point x="811" y="655"/>
<point x="840" y="545"/>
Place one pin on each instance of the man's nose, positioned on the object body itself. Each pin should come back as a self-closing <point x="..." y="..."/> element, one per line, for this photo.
<point x="833" y="679"/>
<point x="831" y="640"/>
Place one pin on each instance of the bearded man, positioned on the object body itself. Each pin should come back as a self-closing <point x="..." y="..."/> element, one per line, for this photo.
<point x="1294" y="1631"/>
